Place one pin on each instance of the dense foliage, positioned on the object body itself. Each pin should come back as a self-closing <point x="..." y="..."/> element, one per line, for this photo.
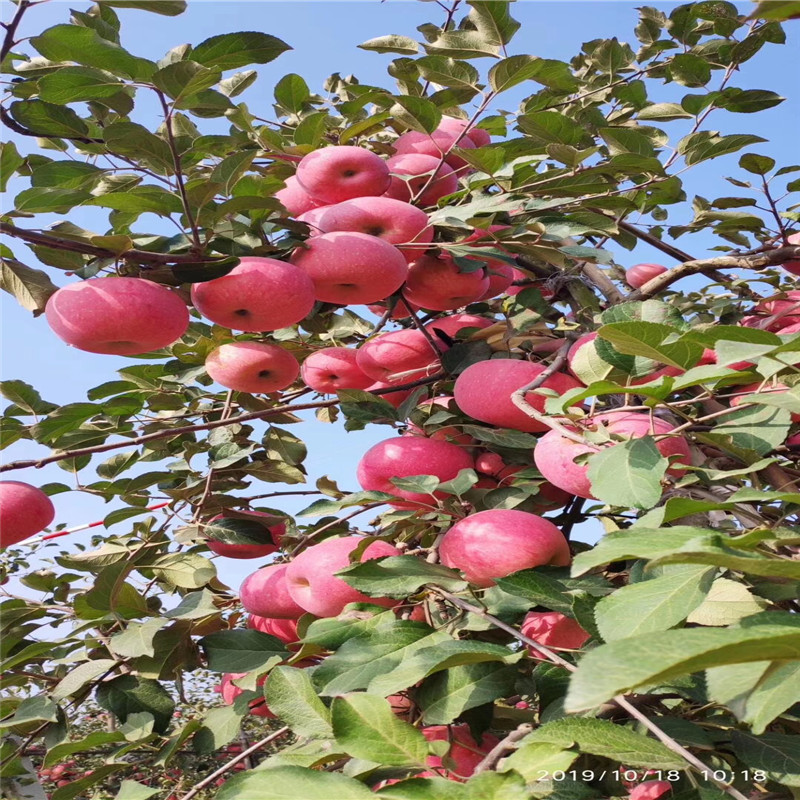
<point x="666" y="656"/>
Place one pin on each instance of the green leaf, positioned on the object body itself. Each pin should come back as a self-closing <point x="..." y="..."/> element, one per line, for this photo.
<point x="775" y="753"/>
<point x="66" y="175"/>
<point x="167" y="8"/>
<point x="604" y="738"/>
<point x="186" y="570"/>
<point x="493" y="20"/>
<point x="49" y="200"/>
<point x="220" y="726"/>
<point x="539" y="588"/>
<point x="293" y="783"/>
<point x="24" y="396"/>
<point x="291" y="696"/>
<point x="74" y="84"/>
<point x="702" y="146"/>
<point x="393" y="43"/>
<point x="727" y="602"/>
<point x="649" y="339"/>
<point x="417" y="113"/>
<point x="137" y="638"/>
<point x="185" y="78"/>
<point x="532" y="760"/>
<point x="447" y="694"/>
<point x="653" y="605"/>
<point x="10" y="160"/>
<point x="234" y="50"/>
<point x="629" y="473"/>
<point x="241" y="650"/>
<point x="627" y="664"/>
<point x="85" y="46"/>
<point x="133" y="790"/>
<point x="61" y="752"/>
<point x="690" y="69"/>
<point x="237" y="83"/>
<point x="664" y="112"/>
<point x="134" y="140"/>
<point x="292" y="92"/>
<point x="759" y="429"/>
<point x="366" y="727"/>
<point x="399" y="576"/>
<point x="320" y="508"/>
<point x="129" y="694"/>
<point x="31" y="287"/>
<point x="48" y="119"/>
<point x="448" y="72"/>
<point x="139" y="200"/>
<point x="514" y="70"/>
<point x="747" y="101"/>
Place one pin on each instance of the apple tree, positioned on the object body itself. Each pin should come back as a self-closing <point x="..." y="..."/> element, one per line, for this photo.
<point x="419" y="257"/>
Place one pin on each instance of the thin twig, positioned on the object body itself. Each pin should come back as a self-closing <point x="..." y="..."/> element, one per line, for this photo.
<point x="499" y="750"/>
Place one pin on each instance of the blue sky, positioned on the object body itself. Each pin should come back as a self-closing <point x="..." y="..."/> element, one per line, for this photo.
<point x="325" y="36"/>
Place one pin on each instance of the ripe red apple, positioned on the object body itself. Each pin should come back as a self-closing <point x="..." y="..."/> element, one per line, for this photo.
<point x="295" y="199"/>
<point x="392" y="220"/>
<point x="313" y="585"/>
<point x="793" y="328"/>
<point x="436" y="144"/>
<point x="483" y="391"/>
<point x="744" y="394"/>
<point x="337" y="173"/>
<point x="438" y="284"/>
<point x="493" y="544"/>
<point x="260" y="294"/>
<point x="350" y="268"/>
<point x="333" y="368"/>
<point x="404" y="456"/>
<point x="265" y="593"/>
<point x="640" y="274"/>
<point x="650" y="790"/>
<point x="227" y="550"/>
<point x="253" y="367"/>
<point x="454" y="323"/>
<point x="399" y="357"/>
<point x="501" y="274"/>
<point x="555" y="454"/>
<point x="283" y="629"/>
<point x="394" y="398"/>
<point x="553" y="630"/>
<point x="230" y="692"/>
<point x="24" y="510"/>
<point x="586" y="364"/>
<point x="454" y="126"/>
<point x="411" y="173"/>
<point x="464" y="754"/>
<point x="312" y="218"/>
<point x="548" y="497"/>
<point x="776" y="314"/>
<point x="792" y="266"/>
<point x="117" y="316"/>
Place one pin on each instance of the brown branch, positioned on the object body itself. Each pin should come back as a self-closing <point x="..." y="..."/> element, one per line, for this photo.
<point x="499" y="750"/>
<point x="233" y="762"/>
<point x="603" y="283"/>
<point x="619" y="700"/>
<point x="755" y="261"/>
<point x="59" y="243"/>
<point x="11" y="28"/>
<point x="204" y="426"/>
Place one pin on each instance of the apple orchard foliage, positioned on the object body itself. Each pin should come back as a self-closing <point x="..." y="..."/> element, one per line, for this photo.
<point x="669" y="659"/>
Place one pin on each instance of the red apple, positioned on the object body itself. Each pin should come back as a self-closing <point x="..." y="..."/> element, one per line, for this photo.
<point x="230" y="692"/>
<point x="438" y="284"/>
<point x="650" y="790"/>
<point x="117" y="316"/>
<point x="454" y="323"/>
<point x="394" y="398"/>
<point x="436" y="144"/>
<point x="295" y="199"/>
<point x="265" y="593"/>
<point x="333" y="174"/>
<point x="553" y="630"/>
<point x="792" y="266"/>
<point x="399" y="357"/>
<point x="252" y="367"/>
<point x="392" y="220"/>
<point x="260" y="294"/>
<point x="404" y="456"/>
<point x="411" y="172"/>
<point x="745" y="394"/>
<point x="479" y="136"/>
<point x="555" y="454"/>
<point x="493" y="544"/>
<point x="313" y="585"/>
<point x="283" y="629"/>
<point x="776" y="314"/>
<point x="400" y="310"/>
<point x="350" y="268"/>
<point x="333" y="368"/>
<point x="464" y="754"/>
<point x="483" y="391"/>
<point x="312" y="218"/>
<point x="640" y="274"/>
<point x="24" y="511"/>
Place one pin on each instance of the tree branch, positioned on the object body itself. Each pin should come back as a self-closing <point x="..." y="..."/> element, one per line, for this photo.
<point x="756" y="261"/>
<point x="499" y="750"/>
<point x="203" y="426"/>
<point x="59" y="243"/>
